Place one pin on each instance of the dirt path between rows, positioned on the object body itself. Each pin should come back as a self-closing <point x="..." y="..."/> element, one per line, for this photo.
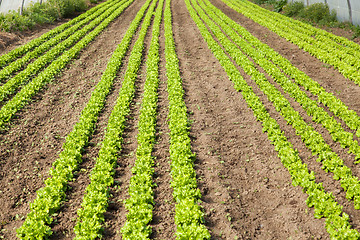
<point x="163" y="225"/>
<point x="326" y="75"/>
<point x="34" y="139"/>
<point x="12" y="40"/>
<point x="332" y="81"/>
<point x="246" y="191"/>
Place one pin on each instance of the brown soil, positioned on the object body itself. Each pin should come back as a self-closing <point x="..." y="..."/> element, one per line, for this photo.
<point x="339" y="31"/>
<point x="247" y="193"/>
<point x="7" y="39"/>
<point x="163" y="225"/>
<point x="331" y="80"/>
<point x="35" y="137"/>
<point x="11" y="40"/>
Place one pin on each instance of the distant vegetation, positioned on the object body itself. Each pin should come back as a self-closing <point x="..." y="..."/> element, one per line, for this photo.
<point x="37" y="13"/>
<point x="317" y="13"/>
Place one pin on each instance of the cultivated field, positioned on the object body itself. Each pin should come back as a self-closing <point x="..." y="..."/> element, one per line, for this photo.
<point x="181" y="119"/>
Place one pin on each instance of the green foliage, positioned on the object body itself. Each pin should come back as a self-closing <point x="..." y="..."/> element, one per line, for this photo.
<point x="275" y="5"/>
<point x="189" y="218"/>
<point x="293" y="9"/>
<point x="89" y="222"/>
<point x="318" y="13"/>
<point x="50" y="197"/>
<point x="52" y="48"/>
<point x="337" y="223"/>
<point x="41" y="13"/>
<point x="278" y="5"/>
<point x="80" y="5"/>
<point x="260" y="1"/>
<point x="57" y="64"/>
<point x="67" y="8"/>
<point x="13" y="21"/>
<point x="315" y="13"/>
<point x="329" y="48"/>
<point x="26" y="48"/>
<point x="37" y="13"/>
<point x="356" y="30"/>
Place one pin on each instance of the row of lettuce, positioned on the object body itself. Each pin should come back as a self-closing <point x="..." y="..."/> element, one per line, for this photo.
<point x="50" y="198"/>
<point x="17" y="64"/>
<point x="58" y="48"/>
<point x="337" y="51"/>
<point x="40" y="61"/>
<point x="89" y="225"/>
<point x="226" y="38"/>
<point x="188" y="215"/>
<point x="313" y="140"/>
<point x="23" y="49"/>
<point x="141" y="201"/>
<point x="266" y="58"/>
<point x="95" y="201"/>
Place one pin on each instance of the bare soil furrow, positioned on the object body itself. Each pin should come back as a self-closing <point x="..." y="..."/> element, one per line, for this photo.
<point x="246" y="191"/>
<point x="35" y="137"/>
<point x="326" y="178"/>
<point x="326" y="75"/>
<point x="115" y="217"/>
<point x="163" y="225"/>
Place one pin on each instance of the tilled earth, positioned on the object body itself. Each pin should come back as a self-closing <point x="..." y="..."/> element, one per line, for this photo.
<point x="246" y="191"/>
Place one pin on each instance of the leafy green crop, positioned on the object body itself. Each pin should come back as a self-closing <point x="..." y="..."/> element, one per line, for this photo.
<point x="335" y="105"/>
<point x="14" y="66"/>
<point x="337" y="51"/>
<point x="50" y="197"/>
<point x="33" y="68"/>
<point x="244" y="41"/>
<point x="25" y="95"/>
<point x="23" y="49"/>
<point x="188" y="215"/>
<point x="337" y="222"/>
<point x="140" y="203"/>
<point x="313" y="140"/>
<point x="91" y="215"/>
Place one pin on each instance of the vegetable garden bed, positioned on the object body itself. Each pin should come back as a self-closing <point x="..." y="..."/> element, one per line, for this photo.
<point x="179" y="119"/>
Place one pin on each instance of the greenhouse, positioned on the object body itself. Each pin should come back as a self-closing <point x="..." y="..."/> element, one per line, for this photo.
<point x="8" y="5"/>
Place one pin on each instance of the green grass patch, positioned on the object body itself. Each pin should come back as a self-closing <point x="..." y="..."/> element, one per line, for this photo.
<point x="37" y="13"/>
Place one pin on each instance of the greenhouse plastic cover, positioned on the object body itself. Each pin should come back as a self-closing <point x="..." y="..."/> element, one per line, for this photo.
<point x="7" y="5"/>
<point x="341" y="8"/>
